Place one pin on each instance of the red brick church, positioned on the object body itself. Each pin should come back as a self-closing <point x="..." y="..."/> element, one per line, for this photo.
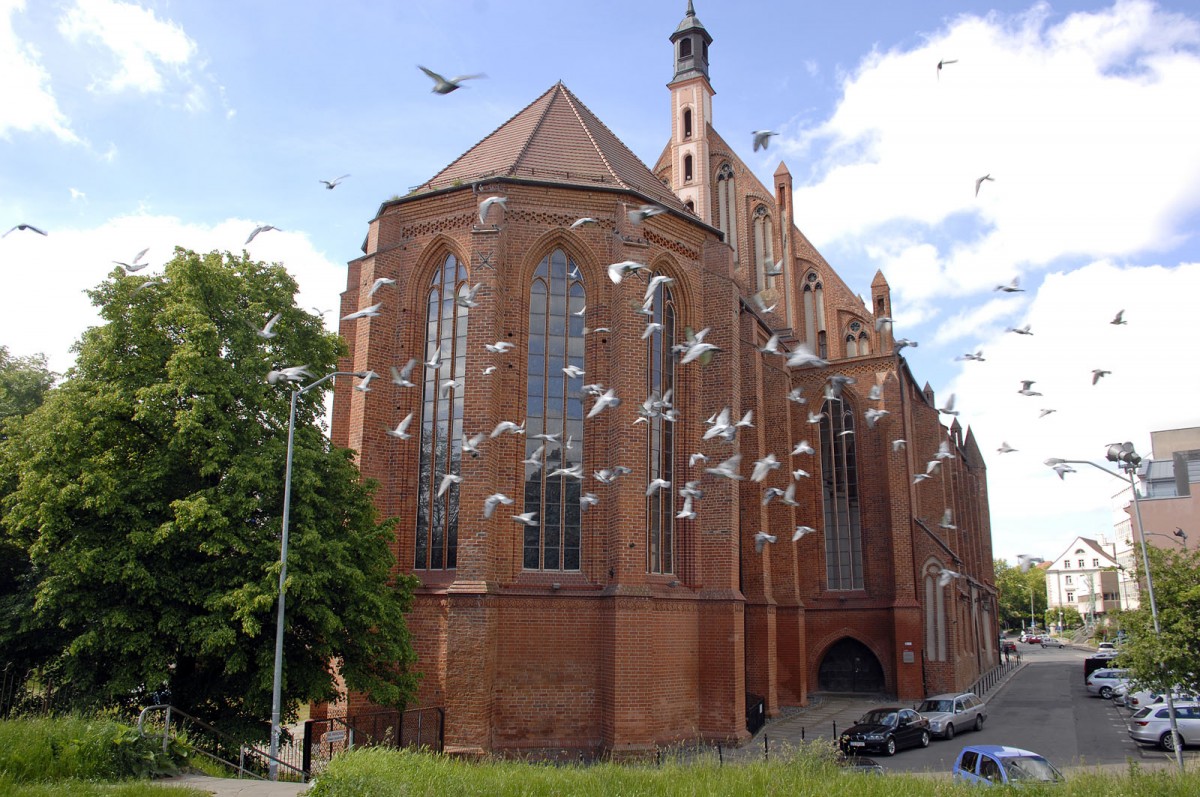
<point x="635" y="609"/>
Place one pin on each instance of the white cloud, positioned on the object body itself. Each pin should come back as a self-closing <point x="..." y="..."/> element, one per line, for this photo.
<point x="977" y="320"/>
<point x="77" y="195"/>
<point x="27" y="102"/>
<point x="143" y="46"/>
<point x="1150" y="388"/>
<point x="1087" y="126"/>
<point x="75" y="260"/>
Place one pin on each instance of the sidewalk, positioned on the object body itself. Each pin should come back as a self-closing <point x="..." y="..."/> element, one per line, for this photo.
<point x="235" y="787"/>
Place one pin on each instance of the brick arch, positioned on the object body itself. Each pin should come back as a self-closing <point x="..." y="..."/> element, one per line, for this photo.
<point x="432" y="256"/>
<point x="682" y="288"/>
<point x="827" y="646"/>
<point x="590" y="268"/>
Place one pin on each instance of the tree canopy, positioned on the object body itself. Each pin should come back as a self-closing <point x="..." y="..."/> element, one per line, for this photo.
<point x="1172" y="656"/>
<point x="1015" y="587"/>
<point x="147" y="493"/>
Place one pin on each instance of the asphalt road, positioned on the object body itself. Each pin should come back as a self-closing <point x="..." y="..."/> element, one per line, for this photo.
<point x="1045" y="708"/>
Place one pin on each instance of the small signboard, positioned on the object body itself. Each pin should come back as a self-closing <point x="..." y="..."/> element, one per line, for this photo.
<point x="330" y="737"/>
<point x="909" y="658"/>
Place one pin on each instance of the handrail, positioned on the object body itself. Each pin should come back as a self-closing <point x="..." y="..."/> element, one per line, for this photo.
<point x="243" y="748"/>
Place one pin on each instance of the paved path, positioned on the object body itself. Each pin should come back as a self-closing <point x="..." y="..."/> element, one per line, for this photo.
<point x="235" y="787"/>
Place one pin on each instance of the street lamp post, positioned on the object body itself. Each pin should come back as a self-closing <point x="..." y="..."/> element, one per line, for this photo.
<point x="1032" y="617"/>
<point x="1123" y="455"/>
<point x="277" y="679"/>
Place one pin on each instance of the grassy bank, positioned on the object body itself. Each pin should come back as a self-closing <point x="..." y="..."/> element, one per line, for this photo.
<point x="380" y="773"/>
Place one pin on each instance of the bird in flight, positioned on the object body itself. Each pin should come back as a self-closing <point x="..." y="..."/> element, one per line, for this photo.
<point x="801" y="531"/>
<point x="365" y="385"/>
<point x="949" y="408"/>
<point x="443" y="85"/>
<point x="294" y="373"/>
<point x="1118" y="319"/>
<point x="467" y="297"/>
<point x="403" y="376"/>
<point x="645" y="212"/>
<point x="762" y="138"/>
<point x="947" y="576"/>
<point x="1005" y="448"/>
<point x="29" y="227"/>
<point x="575" y="225"/>
<point x="401" y="430"/>
<point x="526" y="518"/>
<point x="608" y="399"/>
<point x="492" y="501"/>
<point x="1020" y="330"/>
<point x="266" y="332"/>
<point x="379" y="283"/>
<point x="1044" y="413"/>
<point x="617" y="271"/>
<point x="942" y="63"/>
<point x="1011" y="287"/>
<point x="135" y="265"/>
<point x="1097" y="373"/>
<point x="332" y="184"/>
<point x="1062" y="469"/>
<point x="761" y="539"/>
<point x="976" y="357"/>
<point x="979" y="182"/>
<point x="486" y="205"/>
<point x="366" y="312"/>
<point x="1027" y="388"/>
<point x="261" y="228"/>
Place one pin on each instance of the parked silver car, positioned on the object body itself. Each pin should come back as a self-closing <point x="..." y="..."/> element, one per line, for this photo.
<point x="953" y="712"/>
<point x="1152" y="725"/>
<point x="1102" y="681"/>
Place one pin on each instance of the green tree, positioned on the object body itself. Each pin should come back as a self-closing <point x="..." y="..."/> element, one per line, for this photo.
<point x="24" y="382"/>
<point x="1014" y="587"/>
<point x="149" y="494"/>
<point x="1171" y="657"/>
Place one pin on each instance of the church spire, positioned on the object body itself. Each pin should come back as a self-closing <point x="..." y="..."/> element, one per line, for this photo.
<point x="691" y="42"/>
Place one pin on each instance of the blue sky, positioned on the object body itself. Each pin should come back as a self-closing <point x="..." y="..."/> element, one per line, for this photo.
<point x="126" y="125"/>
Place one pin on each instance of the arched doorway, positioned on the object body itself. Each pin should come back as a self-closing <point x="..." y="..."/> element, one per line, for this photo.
<point x="850" y="666"/>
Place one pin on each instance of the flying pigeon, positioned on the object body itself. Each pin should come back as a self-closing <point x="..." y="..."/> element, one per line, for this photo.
<point x="802" y="448"/>
<point x="801" y="531"/>
<point x="403" y="376"/>
<point x="29" y="227"/>
<point x="949" y="408"/>
<point x="618" y="270"/>
<point x="1027" y="389"/>
<point x="379" y="283"/>
<point x="1118" y="319"/>
<point x="948" y="520"/>
<point x="266" y="332"/>
<point x="486" y="205"/>
<point x="1062" y="469"/>
<point x="1019" y="330"/>
<point x="979" y="182"/>
<point x="443" y="85"/>
<point x="467" y="297"/>
<point x="797" y="395"/>
<point x="947" y="576"/>
<point x="507" y="427"/>
<point x="492" y="501"/>
<point x="761" y="539"/>
<point x="976" y="357"/>
<point x="588" y="499"/>
<point x="764" y="466"/>
<point x="1097" y="373"/>
<point x="652" y="286"/>
<point x="401" y="430"/>
<point x="366" y="312"/>
<point x="762" y="138"/>
<point x="762" y="306"/>
<point x="136" y="265"/>
<point x="499" y="347"/>
<point x="875" y="393"/>
<point x="1010" y="287"/>
<point x="365" y="385"/>
<point x="471" y="444"/>
<point x="942" y="63"/>
<point x="694" y="458"/>
<point x="899" y="444"/>
<point x="727" y="469"/>
<point x="435" y="359"/>
<point x="645" y="212"/>
<point x="575" y="225"/>
<point x="526" y="518"/>
<point x="261" y="228"/>
<point x="805" y="356"/>
<point x="873" y="415"/>
<point x="687" y="512"/>
<point x="609" y="399"/>
<point x="656" y="485"/>
<point x="295" y="373"/>
<point x="332" y="184"/>
<point x="1044" y="413"/>
<point x="902" y="342"/>
<point x="1005" y="448"/>
<point x="447" y="480"/>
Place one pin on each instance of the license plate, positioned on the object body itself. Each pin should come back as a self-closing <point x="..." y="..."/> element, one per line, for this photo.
<point x="858" y="744"/>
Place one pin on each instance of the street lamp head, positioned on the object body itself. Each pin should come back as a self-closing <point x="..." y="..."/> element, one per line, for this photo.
<point x="1123" y="454"/>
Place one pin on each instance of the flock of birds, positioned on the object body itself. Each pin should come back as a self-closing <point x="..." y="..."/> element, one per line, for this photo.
<point x="721" y="425"/>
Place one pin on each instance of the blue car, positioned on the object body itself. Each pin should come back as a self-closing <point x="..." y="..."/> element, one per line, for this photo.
<point x="997" y="763"/>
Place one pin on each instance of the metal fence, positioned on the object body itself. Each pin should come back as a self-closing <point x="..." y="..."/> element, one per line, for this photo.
<point x="420" y="728"/>
<point x="986" y="682"/>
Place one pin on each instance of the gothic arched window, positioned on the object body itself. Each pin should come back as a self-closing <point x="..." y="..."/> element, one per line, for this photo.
<point x="687" y="122"/>
<point x="441" y="419"/>
<point x="660" y="505"/>
<point x="935" y="614"/>
<point x="727" y="207"/>
<point x="764" y="247"/>
<point x="554" y="406"/>
<point x="839" y="483"/>
<point x="685" y="48"/>
<point x="687" y="168"/>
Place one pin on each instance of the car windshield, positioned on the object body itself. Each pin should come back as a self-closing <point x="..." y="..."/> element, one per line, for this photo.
<point x="1031" y="768"/>
<point x="883" y="717"/>
<point x="933" y="706"/>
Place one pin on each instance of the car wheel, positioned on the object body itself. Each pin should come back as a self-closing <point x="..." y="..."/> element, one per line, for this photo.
<point x="978" y="722"/>
<point x="890" y="746"/>
<point x="950" y="731"/>
<point x="924" y="738"/>
<point x="1167" y="742"/>
<point x="1106" y="692"/>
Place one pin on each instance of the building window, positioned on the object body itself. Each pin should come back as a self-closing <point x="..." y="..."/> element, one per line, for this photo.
<point x="687" y="168"/>
<point x="687" y="122"/>
<point x="839" y="482"/>
<point x="441" y="420"/>
<point x="935" y="616"/>
<point x="864" y="344"/>
<point x="554" y="406"/>
<point x="822" y="346"/>
<point x="660" y="505"/>
<point x="1095" y="563"/>
<point x="851" y="346"/>
<point x="1067" y="564"/>
<point x="690" y="205"/>
<point x="727" y="207"/>
<point x="685" y="48"/>
<point x="1070" y="597"/>
<point x="764" y="246"/>
<point x="1081" y="563"/>
<point x="1068" y="579"/>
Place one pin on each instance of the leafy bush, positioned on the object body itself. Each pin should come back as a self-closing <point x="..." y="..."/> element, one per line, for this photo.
<point x="39" y="750"/>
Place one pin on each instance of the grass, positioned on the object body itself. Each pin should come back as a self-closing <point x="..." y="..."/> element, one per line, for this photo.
<point x="46" y="750"/>
<point x="379" y="772"/>
<point x="83" y="788"/>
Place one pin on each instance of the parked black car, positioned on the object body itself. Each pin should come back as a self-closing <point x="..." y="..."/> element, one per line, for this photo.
<point x="886" y="730"/>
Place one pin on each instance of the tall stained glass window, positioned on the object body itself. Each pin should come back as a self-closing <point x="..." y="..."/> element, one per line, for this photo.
<point x="554" y="410"/>
<point x="839" y="483"/>
<point x="660" y="505"/>
<point x="441" y="418"/>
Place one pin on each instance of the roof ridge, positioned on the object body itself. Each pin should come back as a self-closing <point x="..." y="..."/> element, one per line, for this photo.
<point x="595" y="144"/>
<point x="533" y="133"/>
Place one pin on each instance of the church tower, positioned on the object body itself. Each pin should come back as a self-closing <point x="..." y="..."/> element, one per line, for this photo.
<point x="691" y="114"/>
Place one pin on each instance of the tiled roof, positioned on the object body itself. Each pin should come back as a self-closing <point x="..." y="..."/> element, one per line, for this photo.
<point x="556" y="139"/>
